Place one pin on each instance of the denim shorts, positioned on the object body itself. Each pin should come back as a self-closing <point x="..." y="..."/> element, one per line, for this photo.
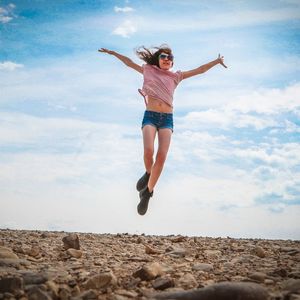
<point x="158" y="120"/>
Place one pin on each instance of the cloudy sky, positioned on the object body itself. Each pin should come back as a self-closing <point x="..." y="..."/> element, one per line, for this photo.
<point x="70" y="139"/>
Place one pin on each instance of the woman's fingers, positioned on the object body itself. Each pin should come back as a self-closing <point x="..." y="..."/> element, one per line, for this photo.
<point x="222" y="63"/>
<point x="104" y="50"/>
<point x="221" y="59"/>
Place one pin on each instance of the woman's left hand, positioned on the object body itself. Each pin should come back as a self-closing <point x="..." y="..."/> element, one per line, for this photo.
<point x="221" y="60"/>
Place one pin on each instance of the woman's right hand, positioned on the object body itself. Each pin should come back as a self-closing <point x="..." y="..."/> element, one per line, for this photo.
<point x="221" y="60"/>
<point x="104" y="50"/>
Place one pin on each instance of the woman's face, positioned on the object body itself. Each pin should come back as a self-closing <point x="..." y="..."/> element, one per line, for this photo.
<point x="165" y="61"/>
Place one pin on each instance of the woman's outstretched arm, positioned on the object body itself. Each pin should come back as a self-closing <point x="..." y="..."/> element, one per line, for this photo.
<point x="126" y="60"/>
<point x="204" y="68"/>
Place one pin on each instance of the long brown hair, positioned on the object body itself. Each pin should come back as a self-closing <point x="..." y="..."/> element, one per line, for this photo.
<point x="151" y="56"/>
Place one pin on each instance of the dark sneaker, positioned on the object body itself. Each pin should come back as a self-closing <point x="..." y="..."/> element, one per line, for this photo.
<point x="145" y="197"/>
<point x="142" y="182"/>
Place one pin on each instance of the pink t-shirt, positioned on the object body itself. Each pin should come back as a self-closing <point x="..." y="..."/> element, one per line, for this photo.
<point x="159" y="84"/>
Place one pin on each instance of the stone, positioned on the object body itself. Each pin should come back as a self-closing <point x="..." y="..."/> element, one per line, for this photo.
<point x="149" y="271"/>
<point x="177" y="252"/>
<point x="102" y="280"/>
<point x="87" y="295"/>
<point x="64" y="292"/>
<point x="128" y="294"/>
<point x="257" y="276"/>
<point x="203" y="267"/>
<point x="35" y="293"/>
<point x="34" y="251"/>
<point x="290" y="250"/>
<point x="162" y="283"/>
<point x="74" y="253"/>
<point x="6" y="253"/>
<point x="71" y="241"/>
<point x="14" y="263"/>
<point x="260" y="252"/>
<point x="282" y="272"/>
<point x="31" y="277"/>
<point x="291" y="285"/>
<point x="269" y="282"/>
<point x="199" y="263"/>
<point x="150" y="250"/>
<point x="44" y="235"/>
<point x="187" y="281"/>
<point x="228" y="265"/>
<point x="178" y="239"/>
<point x="212" y="253"/>
<point x="10" y="284"/>
<point x="53" y="288"/>
<point x="220" y="291"/>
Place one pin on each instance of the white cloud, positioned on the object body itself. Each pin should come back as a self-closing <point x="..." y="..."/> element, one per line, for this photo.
<point x="126" y="29"/>
<point x="10" y="66"/>
<point x="231" y="19"/>
<point x="268" y="101"/>
<point x="225" y="119"/>
<point x="197" y="145"/>
<point x="203" y="192"/>
<point x="6" y="13"/>
<point x="291" y="127"/>
<point x="79" y="162"/>
<point x="257" y="110"/>
<point x="125" y="9"/>
<point x="65" y="85"/>
<point x="5" y="19"/>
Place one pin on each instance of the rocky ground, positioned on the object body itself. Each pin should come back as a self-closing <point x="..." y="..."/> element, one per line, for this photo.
<point x="58" y="265"/>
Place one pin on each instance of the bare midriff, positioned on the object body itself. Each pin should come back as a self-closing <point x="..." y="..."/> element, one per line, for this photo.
<point x="158" y="105"/>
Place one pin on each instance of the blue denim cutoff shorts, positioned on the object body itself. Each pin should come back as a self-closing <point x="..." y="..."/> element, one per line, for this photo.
<point x="158" y="120"/>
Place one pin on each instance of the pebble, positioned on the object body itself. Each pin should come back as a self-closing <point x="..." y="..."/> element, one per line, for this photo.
<point x="10" y="284"/>
<point x="71" y="241"/>
<point x="150" y="250"/>
<point x="87" y="295"/>
<point x="7" y="253"/>
<point x="260" y="252"/>
<point x="74" y="253"/>
<point x="38" y="265"/>
<point x="178" y="239"/>
<point x="35" y="293"/>
<point x="220" y="291"/>
<point x="149" y="271"/>
<point x="31" y="277"/>
<point x="163" y="283"/>
<point x="128" y="294"/>
<point x="258" y="276"/>
<point x="212" y="253"/>
<point x="102" y="280"/>
<point x="291" y="285"/>
<point x="203" y="267"/>
<point x="187" y="281"/>
<point x="177" y="252"/>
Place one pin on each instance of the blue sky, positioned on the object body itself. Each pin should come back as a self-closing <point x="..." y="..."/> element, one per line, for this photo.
<point x="70" y="138"/>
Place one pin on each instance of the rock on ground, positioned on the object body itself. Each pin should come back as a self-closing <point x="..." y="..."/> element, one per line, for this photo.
<point x="82" y="266"/>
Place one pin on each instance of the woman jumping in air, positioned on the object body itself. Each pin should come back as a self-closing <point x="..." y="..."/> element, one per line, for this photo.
<point x="158" y="89"/>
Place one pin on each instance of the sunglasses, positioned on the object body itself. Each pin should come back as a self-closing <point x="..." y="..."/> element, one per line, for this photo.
<point x="166" y="56"/>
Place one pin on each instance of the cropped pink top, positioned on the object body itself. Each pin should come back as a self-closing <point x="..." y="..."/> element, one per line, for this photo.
<point x="159" y="84"/>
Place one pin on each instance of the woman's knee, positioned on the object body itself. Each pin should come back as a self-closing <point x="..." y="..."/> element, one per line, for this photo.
<point x="161" y="157"/>
<point x="148" y="153"/>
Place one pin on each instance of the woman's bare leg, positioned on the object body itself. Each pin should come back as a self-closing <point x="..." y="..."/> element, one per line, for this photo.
<point x="149" y="133"/>
<point x="164" y="140"/>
